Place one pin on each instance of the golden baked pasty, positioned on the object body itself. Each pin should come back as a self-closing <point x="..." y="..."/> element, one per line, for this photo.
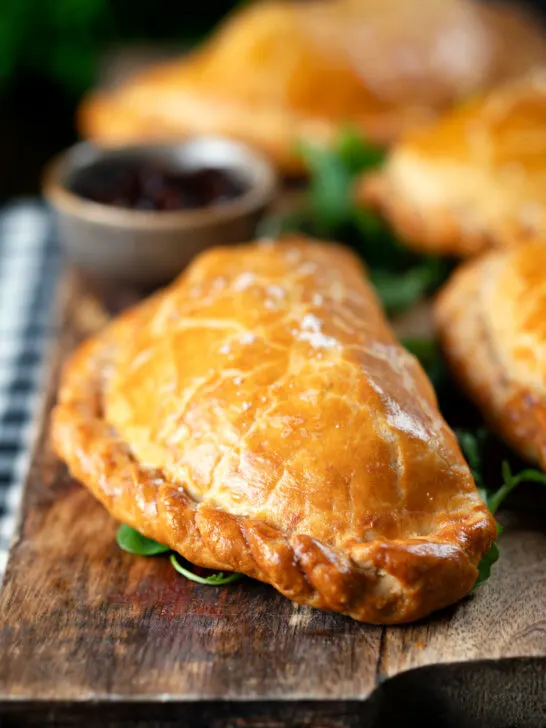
<point x="259" y="416"/>
<point x="475" y="180"/>
<point x="276" y="72"/>
<point x="491" y="318"/>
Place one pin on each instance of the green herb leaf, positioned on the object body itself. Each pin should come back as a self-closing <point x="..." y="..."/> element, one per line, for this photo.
<point x="472" y="443"/>
<point x="355" y="153"/>
<point x="331" y="207"/>
<point x="330" y="200"/>
<point x="486" y="562"/>
<point x="529" y="475"/>
<point x="134" y="542"/>
<point x="399" y="291"/>
<point x="400" y="276"/>
<point x="332" y="171"/>
<point x="218" y="579"/>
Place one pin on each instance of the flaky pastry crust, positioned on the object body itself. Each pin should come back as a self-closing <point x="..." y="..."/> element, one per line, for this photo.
<point x="259" y="416"/>
<point x="264" y="77"/>
<point x="476" y="180"/>
<point x="277" y="72"/>
<point x="491" y="319"/>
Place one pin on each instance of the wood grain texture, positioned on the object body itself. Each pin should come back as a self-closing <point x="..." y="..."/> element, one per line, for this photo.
<point x="86" y="629"/>
<point x="506" y="618"/>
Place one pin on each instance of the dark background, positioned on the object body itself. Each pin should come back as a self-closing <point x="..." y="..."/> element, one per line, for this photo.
<point x="49" y="55"/>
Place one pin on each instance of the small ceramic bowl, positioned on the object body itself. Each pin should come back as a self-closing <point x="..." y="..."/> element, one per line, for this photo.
<point x="151" y="247"/>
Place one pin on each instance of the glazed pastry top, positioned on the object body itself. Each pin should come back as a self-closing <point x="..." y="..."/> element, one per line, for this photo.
<point x="514" y="313"/>
<point x="474" y="180"/>
<point x="270" y="385"/>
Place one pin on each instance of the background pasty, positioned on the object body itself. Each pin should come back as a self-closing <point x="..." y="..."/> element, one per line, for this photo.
<point x="276" y="72"/>
<point x="491" y="318"/>
<point x="475" y="180"/>
<point x="259" y="416"/>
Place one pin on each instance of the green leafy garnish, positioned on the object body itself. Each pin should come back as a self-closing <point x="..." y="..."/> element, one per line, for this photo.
<point x="330" y="199"/>
<point x="472" y="444"/>
<point x="331" y="211"/>
<point x="510" y="481"/>
<point x="135" y="543"/>
<point x="486" y="562"/>
<point x="213" y="580"/>
<point x="398" y="290"/>
<point x="332" y="173"/>
<point x="356" y="154"/>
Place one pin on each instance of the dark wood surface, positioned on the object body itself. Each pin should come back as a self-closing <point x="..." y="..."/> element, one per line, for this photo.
<point x="90" y="635"/>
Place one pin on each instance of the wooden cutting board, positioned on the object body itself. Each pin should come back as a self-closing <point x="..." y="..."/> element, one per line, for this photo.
<point x="93" y="636"/>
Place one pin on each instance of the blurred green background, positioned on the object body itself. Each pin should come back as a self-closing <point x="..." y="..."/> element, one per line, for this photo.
<point x="49" y="55"/>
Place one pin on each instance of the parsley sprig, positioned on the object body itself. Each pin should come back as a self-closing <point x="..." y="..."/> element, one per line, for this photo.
<point x="473" y="444"/>
<point x="330" y="210"/>
<point x="133" y="542"/>
<point x="511" y="481"/>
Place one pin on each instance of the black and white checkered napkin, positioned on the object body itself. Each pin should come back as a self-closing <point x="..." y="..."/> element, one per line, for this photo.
<point x="29" y="264"/>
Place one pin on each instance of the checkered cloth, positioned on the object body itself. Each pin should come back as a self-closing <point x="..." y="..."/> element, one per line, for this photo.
<point x="29" y="263"/>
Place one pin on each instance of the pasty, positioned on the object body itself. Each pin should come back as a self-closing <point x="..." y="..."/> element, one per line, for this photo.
<point x="276" y="72"/>
<point x="259" y="416"/>
<point x="491" y="319"/>
<point x="475" y="180"/>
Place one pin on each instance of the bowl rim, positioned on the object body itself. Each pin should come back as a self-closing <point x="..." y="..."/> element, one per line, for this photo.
<point x="65" y="201"/>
